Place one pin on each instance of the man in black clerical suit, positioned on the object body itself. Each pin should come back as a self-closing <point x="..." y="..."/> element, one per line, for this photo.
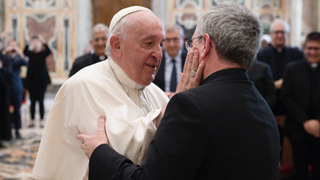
<point x="301" y="98"/>
<point x="98" y="42"/>
<point x="5" y="84"/>
<point x="261" y="75"/>
<point x="221" y="129"/>
<point x="278" y="55"/>
<point x="173" y="58"/>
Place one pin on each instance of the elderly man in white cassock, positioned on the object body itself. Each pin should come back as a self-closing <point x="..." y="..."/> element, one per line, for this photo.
<point x="120" y="88"/>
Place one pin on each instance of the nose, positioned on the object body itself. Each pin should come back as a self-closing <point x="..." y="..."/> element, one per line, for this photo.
<point x="157" y="53"/>
<point x="171" y="43"/>
<point x="101" y="42"/>
<point x="313" y="51"/>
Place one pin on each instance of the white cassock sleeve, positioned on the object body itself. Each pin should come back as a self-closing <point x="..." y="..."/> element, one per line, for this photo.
<point x="76" y="108"/>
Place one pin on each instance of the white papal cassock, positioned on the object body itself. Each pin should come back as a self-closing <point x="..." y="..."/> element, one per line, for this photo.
<point x="99" y="89"/>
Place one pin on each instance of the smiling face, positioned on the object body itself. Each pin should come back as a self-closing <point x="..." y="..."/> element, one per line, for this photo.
<point x="312" y="51"/>
<point x="278" y="36"/>
<point x="141" y="49"/>
<point x="173" y="43"/>
<point x="99" y="41"/>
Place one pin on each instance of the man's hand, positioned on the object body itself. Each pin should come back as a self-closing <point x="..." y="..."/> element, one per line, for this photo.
<point x="169" y="94"/>
<point x="312" y="127"/>
<point x="192" y="72"/>
<point x="91" y="142"/>
<point x="278" y="83"/>
<point x="1" y="64"/>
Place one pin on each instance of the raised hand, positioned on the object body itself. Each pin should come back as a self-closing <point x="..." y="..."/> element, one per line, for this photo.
<point x="192" y="72"/>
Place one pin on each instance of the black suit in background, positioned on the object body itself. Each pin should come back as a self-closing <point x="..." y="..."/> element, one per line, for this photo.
<point x="84" y="61"/>
<point x="277" y="62"/>
<point x="159" y="80"/>
<point x="5" y="89"/>
<point x="37" y="78"/>
<point x="222" y="129"/>
<point x="302" y="105"/>
<point x="262" y="78"/>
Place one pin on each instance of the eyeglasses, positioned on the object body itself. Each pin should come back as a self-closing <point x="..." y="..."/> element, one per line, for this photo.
<point x="189" y="44"/>
<point x="313" y="48"/>
<point x="279" y="32"/>
<point x="174" y="40"/>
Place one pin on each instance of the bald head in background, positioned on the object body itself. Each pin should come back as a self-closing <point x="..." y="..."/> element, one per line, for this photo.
<point x="96" y="52"/>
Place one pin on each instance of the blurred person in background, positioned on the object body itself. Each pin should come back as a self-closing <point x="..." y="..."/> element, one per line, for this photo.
<point x="14" y="53"/>
<point x="261" y="75"/>
<point x="301" y="98"/>
<point x="37" y="75"/>
<point x="277" y="55"/>
<point x="96" y="53"/>
<point x="5" y="84"/>
<point x="173" y="58"/>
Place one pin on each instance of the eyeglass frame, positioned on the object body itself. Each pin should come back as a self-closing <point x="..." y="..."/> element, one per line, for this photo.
<point x="187" y="42"/>
<point x="174" y="40"/>
<point x="279" y="32"/>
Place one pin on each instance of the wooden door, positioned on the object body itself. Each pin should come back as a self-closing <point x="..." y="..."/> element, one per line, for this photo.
<point x="103" y="10"/>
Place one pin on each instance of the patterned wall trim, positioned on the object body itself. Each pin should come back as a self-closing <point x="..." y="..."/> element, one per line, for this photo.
<point x="53" y="19"/>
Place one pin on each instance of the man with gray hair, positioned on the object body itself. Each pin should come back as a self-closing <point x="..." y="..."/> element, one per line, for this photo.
<point x="222" y="129"/>
<point x="278" y="55"/>
<point x="173" y="59"/>
<point x="98" y="43"/>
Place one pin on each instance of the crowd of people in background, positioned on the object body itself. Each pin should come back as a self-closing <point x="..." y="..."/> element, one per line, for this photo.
<point x="288" y="78"/>
<point x="13" y="86"/>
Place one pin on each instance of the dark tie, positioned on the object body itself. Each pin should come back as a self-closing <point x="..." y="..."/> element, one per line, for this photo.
<point x="173" y="81"/>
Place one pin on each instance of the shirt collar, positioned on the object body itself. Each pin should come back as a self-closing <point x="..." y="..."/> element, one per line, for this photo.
<point x="169" y="58"/>
<point x="124" y="79"/>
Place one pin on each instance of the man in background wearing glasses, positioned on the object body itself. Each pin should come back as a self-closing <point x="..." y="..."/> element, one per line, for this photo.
<point x="173" y="58"/>
<point x="301" y="98"/>
<point x="222" y="129"/>
<point x="278" y="55"/>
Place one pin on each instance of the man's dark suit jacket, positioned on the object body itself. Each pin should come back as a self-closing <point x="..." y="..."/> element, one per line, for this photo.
<point x="296" y="98"/>
<point x="267" y="55"/>
<point x="222" y="129"/>
<point x="5" y="84"/>
<point x="262" y="78"/>
<point x="84" y="61"/>
<point x="159" y="79"/>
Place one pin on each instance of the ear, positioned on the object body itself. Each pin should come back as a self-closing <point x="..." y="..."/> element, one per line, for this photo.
<point x="115" y="45"/>
<point x="91" y="41"/>
<point x="207" y="45"/>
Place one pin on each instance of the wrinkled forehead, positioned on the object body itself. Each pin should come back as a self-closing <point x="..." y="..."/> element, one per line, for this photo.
<point x="278" y="27"/>
<point x="147" y="25"/>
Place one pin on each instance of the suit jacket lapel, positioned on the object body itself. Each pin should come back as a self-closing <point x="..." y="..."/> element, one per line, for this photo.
<point x="318" y="86"/>
<point x="183" y="58"/>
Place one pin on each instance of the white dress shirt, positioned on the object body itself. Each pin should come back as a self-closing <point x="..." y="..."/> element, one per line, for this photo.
<point x="168" y="69"/>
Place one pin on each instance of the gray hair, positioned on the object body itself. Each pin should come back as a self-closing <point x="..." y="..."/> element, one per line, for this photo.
<point x="280" y="21"/>
<point x="235" y="31"/>
<point x="174" y="27"/>
<point x="100" y="26"/>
